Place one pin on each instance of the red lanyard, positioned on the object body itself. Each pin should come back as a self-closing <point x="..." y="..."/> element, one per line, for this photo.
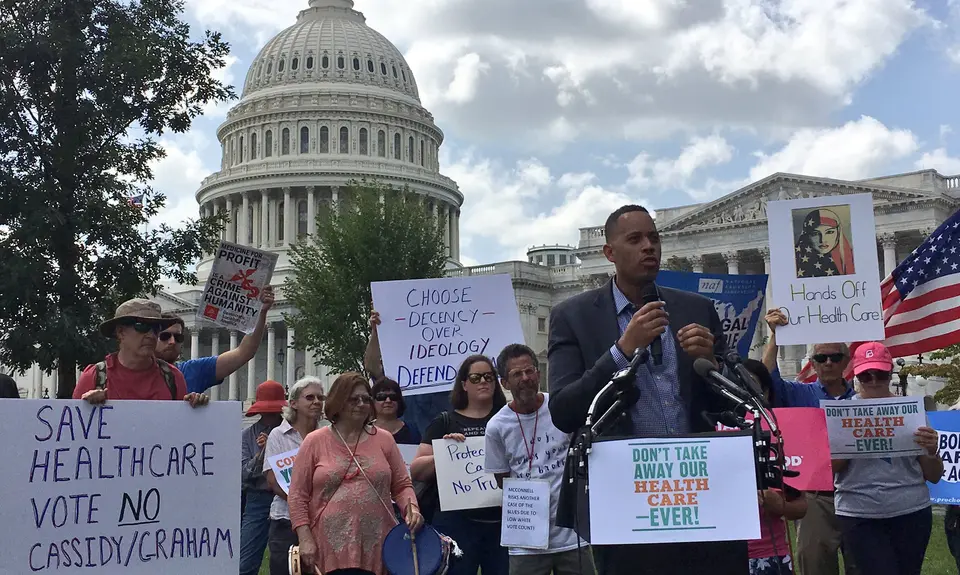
<point x="533" y="439"/>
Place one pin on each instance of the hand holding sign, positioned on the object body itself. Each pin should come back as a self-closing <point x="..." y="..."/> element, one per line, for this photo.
<point x="927" y="438"/>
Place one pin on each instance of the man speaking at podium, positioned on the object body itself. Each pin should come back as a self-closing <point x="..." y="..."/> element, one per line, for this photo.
<point x="594" y="334"/>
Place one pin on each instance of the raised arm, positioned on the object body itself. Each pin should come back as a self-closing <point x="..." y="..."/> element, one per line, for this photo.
<point x="372" y="360"/>
<point x="230" y="361"/>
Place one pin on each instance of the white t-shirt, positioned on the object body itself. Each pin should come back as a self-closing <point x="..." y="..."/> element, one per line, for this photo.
<point x="506" y="451"/>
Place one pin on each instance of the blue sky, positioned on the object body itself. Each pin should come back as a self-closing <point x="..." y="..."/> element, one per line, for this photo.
<point x="558" y="111"/>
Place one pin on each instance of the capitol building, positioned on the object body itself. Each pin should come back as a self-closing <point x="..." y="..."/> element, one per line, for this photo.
<point x="329" y="100"/>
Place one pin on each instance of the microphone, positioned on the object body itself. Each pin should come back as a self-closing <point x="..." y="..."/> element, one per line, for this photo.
<point x="627" y="393"/>
<point x="733" y="360"/>
<point x="652" y="294"/>
<point x="705" y="369"/>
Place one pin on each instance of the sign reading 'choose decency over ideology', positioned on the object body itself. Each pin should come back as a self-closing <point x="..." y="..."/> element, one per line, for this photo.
<point x="428" y="327"/>
<point x="145" y="487"/>
<point x="673" y="490"/>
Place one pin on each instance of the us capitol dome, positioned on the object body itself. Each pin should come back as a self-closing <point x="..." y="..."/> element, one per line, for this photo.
<point x="326" y="101"/>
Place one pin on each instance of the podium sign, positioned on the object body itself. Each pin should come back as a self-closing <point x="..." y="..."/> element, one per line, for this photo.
<point x="673" y="490"/>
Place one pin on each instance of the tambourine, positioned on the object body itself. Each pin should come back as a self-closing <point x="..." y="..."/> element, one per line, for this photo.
<point x="293" y="562"/>
<point x="428" y="553"/>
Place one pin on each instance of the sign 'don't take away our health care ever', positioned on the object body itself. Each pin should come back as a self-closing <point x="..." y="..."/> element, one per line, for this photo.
<point x="428" y="327"/>
<point x="231" y="296"/>
<point x="144" y="487"/>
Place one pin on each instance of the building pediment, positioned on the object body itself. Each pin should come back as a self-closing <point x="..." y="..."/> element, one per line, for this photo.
<point x="748" y="205"/>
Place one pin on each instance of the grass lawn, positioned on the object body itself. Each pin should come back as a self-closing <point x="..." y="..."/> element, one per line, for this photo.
<point x="938" y="560"/>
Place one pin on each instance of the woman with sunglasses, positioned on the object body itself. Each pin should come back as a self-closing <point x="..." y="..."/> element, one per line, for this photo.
<point x="883" y="505"/>
<point x="343" y="481"/>
<point x="389" y="407"/>
<point x="476" y="397"/>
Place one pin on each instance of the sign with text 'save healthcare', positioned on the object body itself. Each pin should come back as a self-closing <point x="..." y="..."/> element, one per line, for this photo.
<point x="145" y="487"/>
<point x="429" y="326"/>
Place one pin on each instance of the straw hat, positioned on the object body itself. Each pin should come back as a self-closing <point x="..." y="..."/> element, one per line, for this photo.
<point x="134" y="310"/>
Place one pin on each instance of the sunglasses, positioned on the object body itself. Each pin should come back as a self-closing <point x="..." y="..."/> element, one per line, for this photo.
<point x="833" y="357"/>
<point x="145" y="327"/>
<point x="489" y="377"/>
<point x="869" y="376"/>
<point x="311" y="397"/>
<point x="360" y="400"/>
<point x="165" y="335"/>
<point x="385" y="396"/>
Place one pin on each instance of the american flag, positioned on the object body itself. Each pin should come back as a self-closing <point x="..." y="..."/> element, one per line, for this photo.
<point x="136" y="201"/>
<point x="921" y="298"/>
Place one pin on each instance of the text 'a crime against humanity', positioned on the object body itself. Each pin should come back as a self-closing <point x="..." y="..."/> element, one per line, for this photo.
<point x="62" y="457"/>
<point x="672" y="478"/>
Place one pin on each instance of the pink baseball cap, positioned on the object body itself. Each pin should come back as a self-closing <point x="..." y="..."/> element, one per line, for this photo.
<point x="872" y="355"/>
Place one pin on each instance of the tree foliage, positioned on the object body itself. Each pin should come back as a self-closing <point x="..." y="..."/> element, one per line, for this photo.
<point x="948" y="369"/>
<point x="357" y="243"/>
<point x="678" y="264"/>
<point x="85" y="86"/>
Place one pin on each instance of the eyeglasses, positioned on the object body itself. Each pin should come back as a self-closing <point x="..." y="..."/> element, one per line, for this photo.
<point x="165" y="335"/>
<point x="360" y="400"/>
<point x="489" y="377"/>
<point x="519" y="374"/>
<point x="833" y="357"/>
<point x="879" y="376"/>
<point x="145" y="327"/>
<point x="385" y="396"/>
<point x="311" y="397"/>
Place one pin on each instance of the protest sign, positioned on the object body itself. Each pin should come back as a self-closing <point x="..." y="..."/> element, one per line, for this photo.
<point x="738" y="300"/>
<point x="947" y="424"/>
<point x="526" y="514"/>
<point x="806" y="446"/>
<point x="461" y="481"/>
<point x="824" y="269"/>
<point x="430" y="326"/>
<point x="282" y="466"/>
<point x="874" y="428"/>
<point x="146" y="487"/>
<point x="231" y="296"/>
<point x="408" y="452"/>
<point x="673" y="490"/>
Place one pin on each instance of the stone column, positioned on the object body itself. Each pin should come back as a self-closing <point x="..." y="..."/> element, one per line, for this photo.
<point x="271" y="351"/>
<point x="435" y="212"/>
<point x="450" y="232"/>
<point x="273" y="205"/>
<point x="215" y="351"/>
<point x="733" y="262"/>
<point x="252" y="378"/>
<point x="311" y="211"/>
<point x="291" y="363"/>
<point x="195" y="343"/>
<point x="255" y="222"/>
<point x="889" y="243"/>
<point x="697" y="262"/>
<point x="37" y="381"/>
<point x="443" y="217"/>
<point x="310" y="363"/>
<point x="217" y="210"/>
<point x="244" y="220"/>
<point x="264" y="219"/>
<point x="335" y="198"/>
<point x="234" y="392"/>
<point x="231" y="223"/>
<point x="288" y="229"/>
<point x="456" y="235"/>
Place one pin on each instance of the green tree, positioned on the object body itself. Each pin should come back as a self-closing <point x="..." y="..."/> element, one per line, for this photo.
<point x="358" y="242"/>
<point x="948" y="369"/>
<point x="85" y="87"/>
<point x="678" y="264"/>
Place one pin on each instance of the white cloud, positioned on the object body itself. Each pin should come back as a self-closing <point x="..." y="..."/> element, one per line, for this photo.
<point x="856" y="150"/>
<point x="178" y="176"/>
<point x="701" y="152"/>
<point x="941" y="161"/>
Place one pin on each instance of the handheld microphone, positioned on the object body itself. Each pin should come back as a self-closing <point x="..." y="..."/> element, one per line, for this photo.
<point x="652" y="294"/>
<point x="705" y="369"/>
<point x="733" y="360"/>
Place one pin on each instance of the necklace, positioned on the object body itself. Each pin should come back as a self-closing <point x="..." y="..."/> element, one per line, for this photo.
<point x="532" y="442"/>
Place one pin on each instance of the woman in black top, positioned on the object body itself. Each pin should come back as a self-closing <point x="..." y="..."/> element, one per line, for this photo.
<point x="389" y="407"/>
<point x="476" y="397"/>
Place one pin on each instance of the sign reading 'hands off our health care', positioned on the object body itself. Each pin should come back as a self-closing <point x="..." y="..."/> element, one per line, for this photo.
<point x="428" y="327"/>
<point x="145" y="487"/>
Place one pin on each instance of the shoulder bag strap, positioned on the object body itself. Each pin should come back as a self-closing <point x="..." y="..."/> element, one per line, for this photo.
<point x="168" y="378"/>
<point x="386" y="507"/>
<point x="101" y="375"/>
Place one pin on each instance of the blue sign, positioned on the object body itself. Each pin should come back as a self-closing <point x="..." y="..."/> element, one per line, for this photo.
<point x="947" y="424"/>
<point x="738" y="299"/>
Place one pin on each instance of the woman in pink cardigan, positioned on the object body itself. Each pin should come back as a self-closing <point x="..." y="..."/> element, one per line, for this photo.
<point x="341" y="512"/>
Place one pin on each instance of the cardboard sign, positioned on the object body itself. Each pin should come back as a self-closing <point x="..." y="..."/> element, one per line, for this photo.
<point x="145" y="487"/>
<point x="461" y="481"/>
<point x="409" y="452"/>
<point x="282" y="466"/>
<point x="526" y="514"/>
<point x="231" y="296"/>
<point x="687" y="489"/>
<point x="874" y="428"/>
<point x="430" y="326"/>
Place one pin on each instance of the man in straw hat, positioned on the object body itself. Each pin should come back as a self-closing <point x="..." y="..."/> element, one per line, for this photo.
<point x="134" y="372"/>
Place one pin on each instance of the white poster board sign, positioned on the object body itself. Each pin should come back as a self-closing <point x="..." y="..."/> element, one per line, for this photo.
<point x="428" y="327"/>
<point x="673" y="490"/>
<point x="824" y="269"/>
<point x="409" y="452"/>
<point x="282" y="466"/>
<point x="874" y="428"/>
<point x="461" y="481"/>
<point x="231" y="296"/>
<point x="526" y="514"/>
<point x="145" y="487"/>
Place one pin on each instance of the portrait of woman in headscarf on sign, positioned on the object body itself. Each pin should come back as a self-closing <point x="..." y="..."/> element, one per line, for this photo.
<point x="823" y="247"/>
